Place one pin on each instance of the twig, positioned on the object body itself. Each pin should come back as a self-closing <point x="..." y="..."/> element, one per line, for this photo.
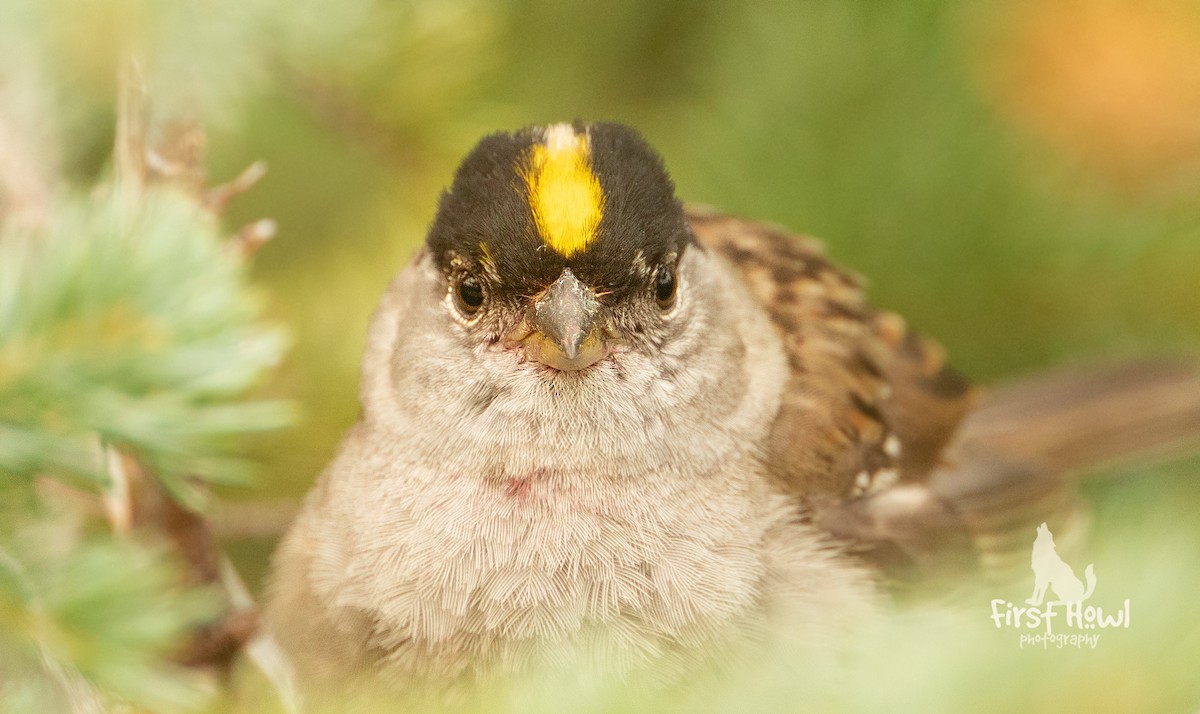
<point x="218" y="643"/>
<point x="129" y="149"/>
<point x="216" y="198"/>
<point x="175" y="156"/>
<point x="262" y="649"/>
<point x="138" y="501"/>
<point x="254" y="236"/>
<point x="118" y="498"/>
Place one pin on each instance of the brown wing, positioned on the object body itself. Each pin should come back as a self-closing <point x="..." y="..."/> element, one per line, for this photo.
<point x="866" y="394"/>
<point x="871" y="433"/>
<point x="870" y="405"/>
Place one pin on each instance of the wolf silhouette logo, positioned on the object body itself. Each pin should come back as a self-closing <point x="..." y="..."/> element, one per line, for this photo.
<point x="1050" y="571"/>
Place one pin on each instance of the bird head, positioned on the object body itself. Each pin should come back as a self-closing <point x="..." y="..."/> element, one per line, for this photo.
<point x="562" y="243"/>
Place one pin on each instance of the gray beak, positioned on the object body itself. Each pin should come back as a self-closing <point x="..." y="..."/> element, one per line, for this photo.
<point x="566" y="335"/>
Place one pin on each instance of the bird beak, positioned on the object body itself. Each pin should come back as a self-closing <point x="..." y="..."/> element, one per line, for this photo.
<point x="566" y="334"/>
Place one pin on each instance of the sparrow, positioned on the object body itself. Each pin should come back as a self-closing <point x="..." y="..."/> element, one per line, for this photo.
<point x="599" y="426"/>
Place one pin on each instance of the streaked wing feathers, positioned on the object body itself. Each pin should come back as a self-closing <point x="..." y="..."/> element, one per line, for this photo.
<point x="870" y="405"/>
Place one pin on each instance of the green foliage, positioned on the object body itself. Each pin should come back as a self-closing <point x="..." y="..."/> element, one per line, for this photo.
<point x="91" y="622"/>
<point x="126" y="324"/>
<point x="128" y="321"/>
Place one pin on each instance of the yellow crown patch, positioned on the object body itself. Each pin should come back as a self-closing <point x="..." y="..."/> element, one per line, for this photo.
<point x="564" y="193"/>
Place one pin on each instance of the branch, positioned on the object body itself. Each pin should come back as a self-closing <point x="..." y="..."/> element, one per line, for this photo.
<point x="136" y="500"/>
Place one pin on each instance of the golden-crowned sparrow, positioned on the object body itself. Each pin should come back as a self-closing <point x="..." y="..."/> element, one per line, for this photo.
<point x="594" y="421"/>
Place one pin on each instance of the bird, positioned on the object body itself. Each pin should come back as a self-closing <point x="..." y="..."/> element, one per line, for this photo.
<point x="603" y="426"/>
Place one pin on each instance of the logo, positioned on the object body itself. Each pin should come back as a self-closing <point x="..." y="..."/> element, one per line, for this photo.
<point x="1036" y="620"/>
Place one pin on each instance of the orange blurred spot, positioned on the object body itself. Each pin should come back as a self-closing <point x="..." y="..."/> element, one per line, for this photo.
<point x="1115" y="82"/>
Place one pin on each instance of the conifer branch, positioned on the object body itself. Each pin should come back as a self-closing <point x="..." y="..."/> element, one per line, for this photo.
<point x="127" y="339"/>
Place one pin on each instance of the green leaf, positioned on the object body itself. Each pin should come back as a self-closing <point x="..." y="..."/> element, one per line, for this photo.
<point x="130" y="323"/>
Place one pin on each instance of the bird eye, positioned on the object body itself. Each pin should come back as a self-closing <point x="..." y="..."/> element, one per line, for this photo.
<point x="468" y="295"/>
<point x="664" y="288"/>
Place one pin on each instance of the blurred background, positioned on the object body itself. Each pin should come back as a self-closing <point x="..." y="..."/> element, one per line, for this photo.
<point x="1019" y="178"/>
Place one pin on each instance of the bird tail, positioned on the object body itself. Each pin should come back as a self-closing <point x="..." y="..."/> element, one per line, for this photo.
<point x="1083" y="421"/>
<point x="1015" y="459"/>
